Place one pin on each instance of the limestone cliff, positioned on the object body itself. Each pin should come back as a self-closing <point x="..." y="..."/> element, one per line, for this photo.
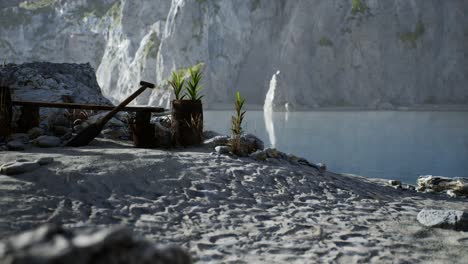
<point x="329" y="52"/>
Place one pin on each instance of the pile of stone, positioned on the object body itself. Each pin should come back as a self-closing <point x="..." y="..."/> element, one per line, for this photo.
<point x="54" y="244"/>
<point x="253" y="147"/>
<point x="453" y="187"/>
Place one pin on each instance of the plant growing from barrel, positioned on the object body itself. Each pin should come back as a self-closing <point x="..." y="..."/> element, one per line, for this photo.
<point x="177" y="82"/>
<point x="236" y="125"/>
<point x="193" y="85"/>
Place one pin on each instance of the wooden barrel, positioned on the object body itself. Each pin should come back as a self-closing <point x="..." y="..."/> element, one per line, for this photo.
<point x="187" y="118"/>
<point x="5" y="111"/>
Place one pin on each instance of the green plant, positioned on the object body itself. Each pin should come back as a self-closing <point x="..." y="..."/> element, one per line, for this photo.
<point x="177" y="83"/>
<point x="236" y="125"/>
<point x="358" y="7"/>
<point x="193" y="85"/>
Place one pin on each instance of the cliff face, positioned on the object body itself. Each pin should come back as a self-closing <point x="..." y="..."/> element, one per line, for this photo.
<point x="329" y="53"/>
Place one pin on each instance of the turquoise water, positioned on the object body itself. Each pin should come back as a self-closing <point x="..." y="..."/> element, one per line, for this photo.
<point x="391" y="145"/>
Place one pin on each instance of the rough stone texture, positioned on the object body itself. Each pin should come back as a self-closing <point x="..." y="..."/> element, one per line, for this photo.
<point x="388" y="54"/>
<point x="452" y="219"/>
<point x="52" y="82"/>
<point x="456" y="186"/>
<point x="53" y="244"/>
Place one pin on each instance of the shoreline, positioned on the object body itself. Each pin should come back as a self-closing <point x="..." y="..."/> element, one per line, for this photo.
<point x="422" y="108"/>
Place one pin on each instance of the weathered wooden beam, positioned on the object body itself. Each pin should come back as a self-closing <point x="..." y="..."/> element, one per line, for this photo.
<point x="88" y="106"/>
<point x="29" y="118"/>
<point x="5" y="111"/>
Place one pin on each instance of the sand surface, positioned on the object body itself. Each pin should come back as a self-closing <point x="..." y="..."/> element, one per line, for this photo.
<point x="228" y="210"/>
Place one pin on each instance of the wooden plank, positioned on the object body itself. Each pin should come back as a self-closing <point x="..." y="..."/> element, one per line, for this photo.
<point x="88" y="106"/>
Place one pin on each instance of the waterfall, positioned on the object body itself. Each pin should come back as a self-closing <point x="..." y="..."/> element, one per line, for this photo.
<point x="268" y="109"/>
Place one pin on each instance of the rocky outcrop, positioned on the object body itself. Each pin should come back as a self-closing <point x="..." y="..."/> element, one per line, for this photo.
<point x="380" y="54"/>
<point x="452" y="186"/>
<point x="54" y="244"/>
<point x="53" y="82"/>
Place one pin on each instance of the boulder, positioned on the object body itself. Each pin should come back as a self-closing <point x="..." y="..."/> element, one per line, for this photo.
<point x="47" y="142"/>
<point x="450" y="219"/>
<point x="44" y="161"/>
<point x="53" y="244"/>
<point x="222" y="149"/>
<point x="18" y="167"/>
<point x="210" y="134"/>
<point x="16" y="145"/>
<point x="35" y="132"/>
<point x="216" y="141"/>
<point x="251" y="143"/>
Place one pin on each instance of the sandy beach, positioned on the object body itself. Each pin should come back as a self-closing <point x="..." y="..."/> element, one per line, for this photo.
<point x="224" y="209"/>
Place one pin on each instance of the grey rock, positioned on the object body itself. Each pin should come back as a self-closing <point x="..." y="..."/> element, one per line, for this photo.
<point x="394" y="183"/>
<point x="163" y="136"/>
<point x="47" y="142"/>
<point x="54" y="244"/>
<point x="35" y="132"/>
<point x="216" y="141"/>
<point x="251" y="143"/>
<point x="450" y="219"/>
<point x="44" y="161"/>
<point x="19" y="137"/>
<point x="259" y="155"/>
<point x="15" y="145"/>
<point x="208" y="134"/>
<point x="58" y="118"/>
<point x="222" y="149"/>
<point x="18" y="167"/>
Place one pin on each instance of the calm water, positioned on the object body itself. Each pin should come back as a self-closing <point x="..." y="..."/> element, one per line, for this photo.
<point x="392" y="145"/>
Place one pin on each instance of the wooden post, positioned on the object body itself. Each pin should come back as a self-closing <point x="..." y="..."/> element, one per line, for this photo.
<point x="143" y="131"/>
<point x="5" y="111"/>
<point x="29" y="118"/>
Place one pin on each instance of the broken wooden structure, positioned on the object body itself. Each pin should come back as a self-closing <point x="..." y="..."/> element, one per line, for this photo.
<point x="142" y="130"/>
